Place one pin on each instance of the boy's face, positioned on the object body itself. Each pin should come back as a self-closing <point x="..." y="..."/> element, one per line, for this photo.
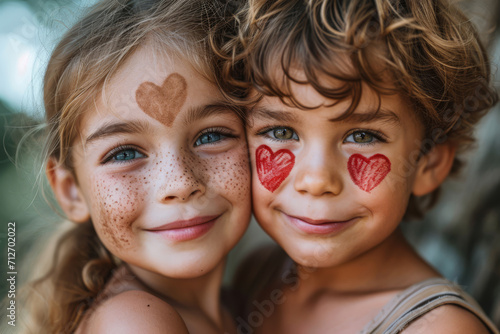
<point x="329" y="191"/>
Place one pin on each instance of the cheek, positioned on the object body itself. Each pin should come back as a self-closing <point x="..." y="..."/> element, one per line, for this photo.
<point x="385" y="190"/>
<point x="115" y="202"/>
<point x="405" y="171"/>
<point x="228" y="174"/>
<point x="388" y="207"/>
<point x="273" y="167"/>
<point x="262" y="205"/>
<point x="368" y="173"/>
<point x="262" y="196"/>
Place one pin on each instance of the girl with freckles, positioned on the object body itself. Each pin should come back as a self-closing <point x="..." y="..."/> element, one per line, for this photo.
<point x="149" y="161"/>
<point x="361" y="109"/>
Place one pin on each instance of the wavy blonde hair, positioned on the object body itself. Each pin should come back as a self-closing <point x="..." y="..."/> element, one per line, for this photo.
<point x="81" y="65"/>
<point x="429" y="49"/>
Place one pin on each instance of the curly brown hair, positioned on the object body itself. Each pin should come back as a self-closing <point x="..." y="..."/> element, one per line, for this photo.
<point x="429" y="49"/>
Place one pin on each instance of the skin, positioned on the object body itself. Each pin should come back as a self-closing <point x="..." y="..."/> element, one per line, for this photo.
<point x="154" y="171"/>
<point x="344" y="277"/>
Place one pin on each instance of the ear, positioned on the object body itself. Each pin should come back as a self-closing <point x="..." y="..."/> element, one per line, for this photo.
<point x="67" y="192"/>
<point x="433" y="169"/>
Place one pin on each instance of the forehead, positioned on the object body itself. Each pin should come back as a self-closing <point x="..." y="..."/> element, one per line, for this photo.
<point x="119" y="97"/>
<point x="145" y="65"/>
<point x="369" y="106"/>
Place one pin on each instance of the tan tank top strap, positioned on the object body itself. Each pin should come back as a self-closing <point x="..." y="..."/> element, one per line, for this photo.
<point x="420" y="299"/>
<point x="393" y="308"/>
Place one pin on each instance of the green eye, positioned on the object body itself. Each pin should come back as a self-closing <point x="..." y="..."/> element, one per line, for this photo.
<point x="283" y="133"/>
<point x="362" y="137"/>
<point x="280" y="133"/>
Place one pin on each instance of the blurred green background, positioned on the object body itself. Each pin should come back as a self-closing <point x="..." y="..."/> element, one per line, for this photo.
<point x="460" y="236"/>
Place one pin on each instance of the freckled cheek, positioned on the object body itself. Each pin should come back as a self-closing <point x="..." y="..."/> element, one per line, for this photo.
<point x="229" y="174"/>
<point x="116" y="203"/>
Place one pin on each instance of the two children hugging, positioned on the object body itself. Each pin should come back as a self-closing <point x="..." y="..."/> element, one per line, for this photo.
<point x="356" y="112"/>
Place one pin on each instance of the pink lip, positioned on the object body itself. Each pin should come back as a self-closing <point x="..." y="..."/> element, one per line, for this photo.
<point x="182" y="230"/>
<point x="318" y="226"/>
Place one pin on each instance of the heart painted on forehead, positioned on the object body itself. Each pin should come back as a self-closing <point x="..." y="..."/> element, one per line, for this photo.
<point x="367" y="173"/>
<point x="273" y="168"/>
<point x="164" y="102"/>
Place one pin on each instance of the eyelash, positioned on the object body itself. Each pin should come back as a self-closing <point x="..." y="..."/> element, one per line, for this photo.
<point x="119" y="149"/>
<point x="223" y="132"/>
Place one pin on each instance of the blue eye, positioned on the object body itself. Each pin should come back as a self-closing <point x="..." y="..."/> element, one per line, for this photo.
<point x="363" y="137"/>
<point x="281" y="133"/>
<point x="209" y="138"/>
<point x="123" y="154"/>
<point x="128" y="154"/>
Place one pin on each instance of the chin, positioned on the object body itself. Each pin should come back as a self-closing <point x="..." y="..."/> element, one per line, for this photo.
<point x="192" y="267"/>
<point x="313" y="254"/>
<point x="310" y="261"/>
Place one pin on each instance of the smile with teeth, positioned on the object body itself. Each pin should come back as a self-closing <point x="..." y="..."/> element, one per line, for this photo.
<point x="318" y="226"/>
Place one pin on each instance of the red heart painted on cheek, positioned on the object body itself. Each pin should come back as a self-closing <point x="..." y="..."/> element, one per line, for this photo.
<point x="164" y="102"/>
<point x="273" y="168"/>
<point x="367" y="173"/>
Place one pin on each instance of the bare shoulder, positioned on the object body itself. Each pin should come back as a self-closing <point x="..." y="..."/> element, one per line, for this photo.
<point x="447" y="319"/>
<point x="136" y="312"/>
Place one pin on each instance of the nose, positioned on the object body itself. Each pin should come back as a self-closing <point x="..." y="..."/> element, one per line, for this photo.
<point x="318" y="174"/>
<point x="180" y="182"/>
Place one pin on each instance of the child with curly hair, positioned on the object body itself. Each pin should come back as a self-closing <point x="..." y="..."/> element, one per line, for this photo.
<point x="362" y="109"/>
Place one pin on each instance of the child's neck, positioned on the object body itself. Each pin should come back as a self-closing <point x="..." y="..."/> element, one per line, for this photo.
<point x="393" y="265"/>
<point x="192" y="295"/>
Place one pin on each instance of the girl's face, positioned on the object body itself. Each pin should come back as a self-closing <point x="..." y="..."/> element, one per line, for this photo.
<point x="326" y="190"/>
<point x="162" y="165"/>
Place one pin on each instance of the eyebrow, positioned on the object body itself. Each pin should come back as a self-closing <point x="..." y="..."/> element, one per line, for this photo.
<point x="383" y="115"/>
<point x="197" y="113"/>
<point x="275" y="115"/>
<point x="114" y="128"/>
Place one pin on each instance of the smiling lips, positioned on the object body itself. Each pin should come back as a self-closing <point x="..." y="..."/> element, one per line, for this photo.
<point x="312" y="226"/>
<point x="182" y="230"/>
